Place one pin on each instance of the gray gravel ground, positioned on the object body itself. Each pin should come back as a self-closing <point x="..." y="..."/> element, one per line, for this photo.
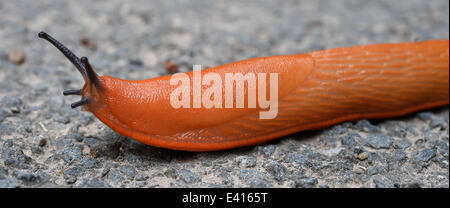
<point x="44" y="143"/>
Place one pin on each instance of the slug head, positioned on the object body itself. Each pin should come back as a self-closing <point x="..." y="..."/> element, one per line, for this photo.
<point x="93" y="85"/>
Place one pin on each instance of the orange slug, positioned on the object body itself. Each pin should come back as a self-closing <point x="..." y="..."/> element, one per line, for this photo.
<point x="314" y="90"/>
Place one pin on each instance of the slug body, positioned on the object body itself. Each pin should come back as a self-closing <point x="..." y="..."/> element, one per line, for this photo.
<point x="315" y="90"/>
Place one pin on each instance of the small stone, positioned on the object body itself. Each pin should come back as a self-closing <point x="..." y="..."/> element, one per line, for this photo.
<point x="3" y="114"/>
<point x="171" y="67"/>
<point x="305" y="182"/>
<point x="206" y="163"/>
<point x="225" y="178"/>
<point x="128" y="170"/>
<point x="430" y="136"/>
<point x="247" y="175"/>
<point x="426" y="155"/>
<point x="93" y="153"/>
<point x="277" y="170"/>
<point x="366" y="126"/>
<point x="437" y="123"/>
<point x="214" y="186"/>
<point x="89" y="162"/>
<point x="425" y="116"/>
<point x="379" y="141"/>
<point x="171" y="172"/>
<point x="111" y="150"/>
<point x="141" y="177"/>
<point x="414" y="185"/>
<point x="363" y="156"/>
<point x="71" y="154"/>
<point x="28" y="177"/>
<point x="14" y="157"/>
<point x="445" y="163"/>
<point x="337" y="129"/>
<point x="74" y="171"/>
<point x="349" y="139"/>
<point x="8" y="182"/>
<point x="359" y="170"/>
<point x="16" y="56"/>
<point x="88" y="43"/>
<point x="6" y="128"/>
<point x="188" y="176"/>
<point x="402" y="144"/>
<point x="62" y="119"/>
<point x="64" y="142"/>
<point x="3" y="171"/>
<point x="248" y="162"/>
<point x="382" y="182"/>
<point x="442" y="147"/>
<point x="268" y="150"/>
<point x="42" y="142"/>
<point x="334" y="151"/>
<point x="399" y="155"/>
<point x="70" y="179"/>
<point x="298" y="158"/>
<point x="135" y="62"/>
<point x="15" y="109"/>
<point x="76" y="136"/>
<point x="97" y="183"/>
<point x="115" y="177"/>
<point x="105" y="171"/>
<point x="10" y="101"/>
<point x="258" y="184"/>
<point x="372" y="170"/>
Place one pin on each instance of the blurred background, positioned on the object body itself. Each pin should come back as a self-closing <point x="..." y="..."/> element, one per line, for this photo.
<point x="144" y="39"/>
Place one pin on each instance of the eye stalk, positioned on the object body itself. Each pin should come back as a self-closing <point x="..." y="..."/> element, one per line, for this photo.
<point x="82" y="65"/>
<point x="71" y="92"/>
<point x="83" y="101"/>
<point x="92" y="76"/>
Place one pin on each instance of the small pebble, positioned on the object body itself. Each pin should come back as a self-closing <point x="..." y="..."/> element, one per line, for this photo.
<point x="382" y="182"/>
<point x="402" y="144"/>
<point x="188" y="176"/>
<point x="171" y="67"/>
<point x="259" y="184"/>
<point x="349" y="139"/>
<point x="372" y="170"/>
<point x="171" y="172"/>
<point x="8" y="182"/>
<point x="141" y="177"/>
<point x="305" y="182"/>
<point x="425" y="116"/>
<point x="363" y="156"/>
<point x="437" y="123"/>
<point x="96" y="183"/>
<point x="88" y="43"/>
<point x="277" y="170"/>
<point x="105" y="171"/>
<point x="248" y="162"/>
<point x="268" y="150"/>
<point x="426" y="155"/>
<point x="16" y="56"/>
<point x="359" y="170"/>
<point x="400" y="155"/>
<point x="135" y="62"/>
<point x="128" y="170"/>
<point x="42" y="142"/>
<point x="379" y="141"/>
<point x="366" y="126"/>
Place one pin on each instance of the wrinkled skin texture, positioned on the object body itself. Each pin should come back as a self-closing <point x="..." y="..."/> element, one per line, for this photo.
<point x="316" y="90"/>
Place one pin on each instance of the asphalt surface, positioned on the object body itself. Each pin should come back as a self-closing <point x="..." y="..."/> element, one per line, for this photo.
<point x="45" y="143"/>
